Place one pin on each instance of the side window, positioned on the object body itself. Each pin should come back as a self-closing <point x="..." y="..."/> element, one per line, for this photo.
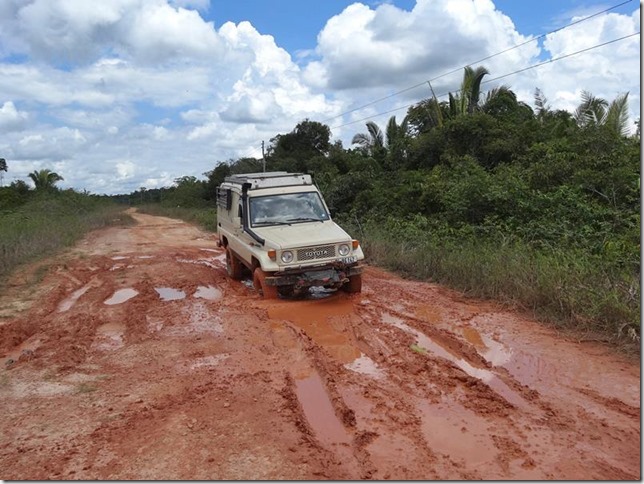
<point x="240" y="212"/>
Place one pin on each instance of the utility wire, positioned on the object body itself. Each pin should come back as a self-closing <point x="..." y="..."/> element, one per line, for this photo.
<point x="554" y="59"/>
<point x="475" y="62"/>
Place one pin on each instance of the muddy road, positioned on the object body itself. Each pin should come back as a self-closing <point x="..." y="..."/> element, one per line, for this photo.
<point x="135" y="357"/>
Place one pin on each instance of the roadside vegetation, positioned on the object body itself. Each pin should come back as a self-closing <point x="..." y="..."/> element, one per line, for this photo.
<point x="534" y="207"/>
<point x="37" y="222"/>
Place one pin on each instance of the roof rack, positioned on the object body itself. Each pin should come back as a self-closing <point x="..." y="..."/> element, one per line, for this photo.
<point x="270" y="179"/>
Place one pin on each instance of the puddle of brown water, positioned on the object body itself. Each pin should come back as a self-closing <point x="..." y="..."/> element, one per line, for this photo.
<point x="169" y="293"/>
<point x="120" y="296"/>
<point x="493" y="351"/>
<point x="67" y="304"/>
<point x="319" y="412"/>
<point x="455" y="431"/>
<point x="325" y="321"/>
<point x="486" y="376"/>
<point x="366" y="366"/>
<point x="210" y="293"/>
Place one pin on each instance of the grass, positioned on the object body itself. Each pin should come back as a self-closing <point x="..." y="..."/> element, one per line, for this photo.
<point x="49" y="222"/>
<point x="206" y="218"/>
<point x="567" y="288"/>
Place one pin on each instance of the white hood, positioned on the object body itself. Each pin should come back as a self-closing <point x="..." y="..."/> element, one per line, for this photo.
<point x="305" y="234"/>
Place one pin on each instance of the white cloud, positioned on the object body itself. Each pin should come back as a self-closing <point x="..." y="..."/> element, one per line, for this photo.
<point x="129" y="93"/>
<point x="11" y="119"/>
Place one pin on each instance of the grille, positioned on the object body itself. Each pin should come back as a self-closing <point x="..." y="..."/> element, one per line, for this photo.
<point x="313" y="253"/>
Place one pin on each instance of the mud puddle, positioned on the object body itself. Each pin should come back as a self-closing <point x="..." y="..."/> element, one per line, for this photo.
<point x="170" y="293"/>
<point x="210" y="293"/>
<point x="120" y="296"/>
<point x="426" y="344"/>
<point x="326" y="321"/>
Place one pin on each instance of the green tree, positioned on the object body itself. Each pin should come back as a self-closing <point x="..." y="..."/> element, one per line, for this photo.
<point x="595" y="111"/>
<point x="45" y="179"/>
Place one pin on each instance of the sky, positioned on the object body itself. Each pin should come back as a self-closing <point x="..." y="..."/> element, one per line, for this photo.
<point x="122" y="94"/>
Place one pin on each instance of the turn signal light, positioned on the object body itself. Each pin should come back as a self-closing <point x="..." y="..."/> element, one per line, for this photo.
<point x="355" y="244"/>
<point x="272" y="253"/>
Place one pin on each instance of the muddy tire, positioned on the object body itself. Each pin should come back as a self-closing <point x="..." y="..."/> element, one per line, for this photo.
<point x="259" y="282"/>
<point x="354" y="284"/>
<point x="233" y="265"/>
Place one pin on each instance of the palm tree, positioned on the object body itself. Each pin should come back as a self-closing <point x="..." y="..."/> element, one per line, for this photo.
<point x="45" y="179"/>
<point x="595" y="111"/>
<point x="372" y="142"/>
<point x="392" y="143"/>
<point x="466" y="100"/>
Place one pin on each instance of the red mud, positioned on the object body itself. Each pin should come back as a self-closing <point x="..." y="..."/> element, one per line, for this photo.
<point x="137" y="358"/>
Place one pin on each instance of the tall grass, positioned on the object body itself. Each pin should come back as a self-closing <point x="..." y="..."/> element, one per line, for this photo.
<point x="567" y="287"/>
<point x="206" y="218"/>
<point x="48" y="222"/>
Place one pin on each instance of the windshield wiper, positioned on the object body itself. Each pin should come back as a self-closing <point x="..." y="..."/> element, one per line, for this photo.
<point x="306" y="219"/>
<point x="261" y="224"/>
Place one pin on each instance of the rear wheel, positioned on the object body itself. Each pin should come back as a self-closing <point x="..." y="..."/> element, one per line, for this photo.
<point x="233" y="265"/>
<point x="354" y="284"/>
<point x="259" y="282"/>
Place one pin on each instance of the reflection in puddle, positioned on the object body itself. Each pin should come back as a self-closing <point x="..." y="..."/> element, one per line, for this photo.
<point x="121" y="296"/>
<point x="169" y="293"/>
<point x="210" y="293"/>
<point x="424" y="342"/>
<point x="211" y="250"/>
<point x="120" y="257"/>
<point x="366" y="366"/>
<point x="491" y="350"/>
<point x="320" y="292"/>
<point x="319" y="412"/>
<point x="325" y="321"/>
<point x="71" y="300"/>
<point x="145" y="257"/>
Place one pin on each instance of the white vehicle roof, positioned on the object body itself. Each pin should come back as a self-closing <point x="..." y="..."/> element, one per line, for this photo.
<point x="271" y="179"/>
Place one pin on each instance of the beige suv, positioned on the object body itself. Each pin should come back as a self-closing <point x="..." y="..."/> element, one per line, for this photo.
<point x="277" y="226"/>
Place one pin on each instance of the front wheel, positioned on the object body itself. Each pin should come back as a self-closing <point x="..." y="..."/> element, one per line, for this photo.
<point x="354" y="284"/>
<point x="259" y="282"/>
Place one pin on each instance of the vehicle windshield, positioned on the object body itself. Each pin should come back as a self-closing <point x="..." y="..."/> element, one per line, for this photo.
<point x="287" y="208"/>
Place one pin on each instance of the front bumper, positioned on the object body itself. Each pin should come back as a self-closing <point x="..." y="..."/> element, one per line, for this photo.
<point x="333" y="276"/>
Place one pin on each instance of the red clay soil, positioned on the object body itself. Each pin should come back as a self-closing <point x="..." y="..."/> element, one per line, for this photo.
<point x="136" y="357"/>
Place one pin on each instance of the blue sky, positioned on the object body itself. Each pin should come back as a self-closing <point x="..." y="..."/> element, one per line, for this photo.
<point x="121" y="94"/>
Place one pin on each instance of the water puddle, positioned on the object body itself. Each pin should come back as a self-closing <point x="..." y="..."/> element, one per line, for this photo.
<point x="457" y="432"/>
<point x="110" y="336"/>
<point x="211" y="250"/>
<point x="488" y="348"/>
<point x="120" y="296"/>
<point x="67" y="304"/>
<point x="366" y="366"/>
<point x="319" y="412"/>
<point x="210" y="293"/>
<point x="325" y="321"/>
<point x="145" y="257"/>
<point x="423" y="342"/>
<point x="119" y="257"/>
<point x="169" y="293"/>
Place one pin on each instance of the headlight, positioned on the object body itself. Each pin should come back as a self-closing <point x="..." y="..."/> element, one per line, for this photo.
<point x="343" y="250"/>
<point x="287" y="256"/>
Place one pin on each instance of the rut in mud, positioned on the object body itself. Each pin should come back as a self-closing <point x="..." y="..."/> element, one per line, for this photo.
<point x="137" y="358"/>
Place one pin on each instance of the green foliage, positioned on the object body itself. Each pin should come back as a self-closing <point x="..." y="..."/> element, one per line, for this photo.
<point x="49" y="220"/>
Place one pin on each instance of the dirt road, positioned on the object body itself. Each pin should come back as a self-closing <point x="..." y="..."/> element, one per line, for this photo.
<point x="136" y="357"/>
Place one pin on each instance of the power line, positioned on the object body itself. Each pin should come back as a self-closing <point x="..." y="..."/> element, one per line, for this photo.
<point x="475" y="62"/>
<point x="554" y="59"/>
